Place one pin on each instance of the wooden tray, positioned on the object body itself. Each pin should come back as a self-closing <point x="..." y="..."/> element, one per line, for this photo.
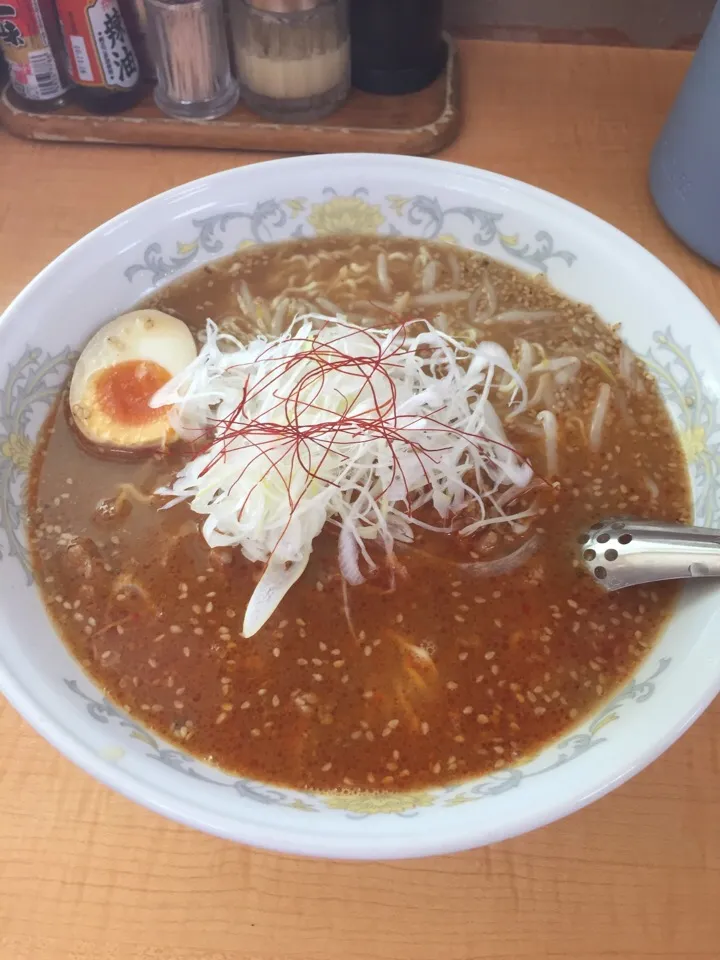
<point x="418" y="123"/>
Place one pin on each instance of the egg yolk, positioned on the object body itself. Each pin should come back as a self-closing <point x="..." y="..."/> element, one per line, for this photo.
<point x="124" y="390"/>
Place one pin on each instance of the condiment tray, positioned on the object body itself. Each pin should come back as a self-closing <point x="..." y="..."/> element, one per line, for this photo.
<point x="417" y="123"/>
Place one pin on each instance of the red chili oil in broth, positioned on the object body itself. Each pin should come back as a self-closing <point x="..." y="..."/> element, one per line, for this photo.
<point x="447" y="675"/>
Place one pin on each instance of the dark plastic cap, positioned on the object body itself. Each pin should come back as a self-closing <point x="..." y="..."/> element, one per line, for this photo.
<point x="397" y="45"/>
<point x="399" y="80"/>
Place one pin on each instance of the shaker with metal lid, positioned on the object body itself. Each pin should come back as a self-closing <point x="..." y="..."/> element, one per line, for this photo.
<point x="292" y="57"/>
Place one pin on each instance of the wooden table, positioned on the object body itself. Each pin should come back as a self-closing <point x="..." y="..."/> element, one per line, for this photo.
<point x="86" y="875"/>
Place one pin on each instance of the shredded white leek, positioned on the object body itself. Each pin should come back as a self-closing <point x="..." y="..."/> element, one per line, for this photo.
<point x="334" y="422"/>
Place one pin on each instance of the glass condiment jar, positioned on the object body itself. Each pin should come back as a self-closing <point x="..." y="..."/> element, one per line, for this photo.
<point x="292" y="57"/>
<point x="188" y="44"/>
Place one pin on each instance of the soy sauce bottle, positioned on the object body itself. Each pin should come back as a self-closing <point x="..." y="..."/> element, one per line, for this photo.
<point x="103" y="63"/>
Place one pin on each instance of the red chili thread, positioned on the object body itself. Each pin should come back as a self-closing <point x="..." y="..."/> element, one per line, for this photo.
<point x="275" y="440"/>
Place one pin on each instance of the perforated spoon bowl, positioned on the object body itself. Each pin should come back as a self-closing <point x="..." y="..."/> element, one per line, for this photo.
<point x="622" y="553"/>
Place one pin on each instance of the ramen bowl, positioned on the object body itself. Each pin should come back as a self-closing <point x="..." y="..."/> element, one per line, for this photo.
<point x="123" y="261"/>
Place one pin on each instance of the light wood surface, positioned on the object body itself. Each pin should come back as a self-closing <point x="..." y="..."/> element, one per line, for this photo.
<point x="417" y="123"/>
<point x="85" y="875"/>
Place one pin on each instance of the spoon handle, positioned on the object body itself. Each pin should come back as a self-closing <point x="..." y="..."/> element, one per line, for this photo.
<point x="622" y="553"/>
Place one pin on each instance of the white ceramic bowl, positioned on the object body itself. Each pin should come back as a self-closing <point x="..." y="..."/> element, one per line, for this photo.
<point x="109" y="270"/>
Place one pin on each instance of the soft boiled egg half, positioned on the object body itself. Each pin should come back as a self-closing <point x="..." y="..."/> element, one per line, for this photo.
<point x="124" y="364"/>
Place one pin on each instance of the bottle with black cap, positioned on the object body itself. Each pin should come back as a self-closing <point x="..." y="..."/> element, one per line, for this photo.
<point x="397" y="45"/>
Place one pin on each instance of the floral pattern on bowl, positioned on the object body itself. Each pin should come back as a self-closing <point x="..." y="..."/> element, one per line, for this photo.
<point x="29" y="389"/>
<point x="270" y="220"/>
<point x="408" y="803"/>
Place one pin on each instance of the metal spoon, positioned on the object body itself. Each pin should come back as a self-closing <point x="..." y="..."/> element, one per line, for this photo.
<point x="622" y="553"/>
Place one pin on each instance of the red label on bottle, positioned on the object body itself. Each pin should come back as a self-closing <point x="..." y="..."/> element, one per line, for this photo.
<point x="98" y="44"/>
<point x="18" y="25"/>
<point x="24" y="41"/>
